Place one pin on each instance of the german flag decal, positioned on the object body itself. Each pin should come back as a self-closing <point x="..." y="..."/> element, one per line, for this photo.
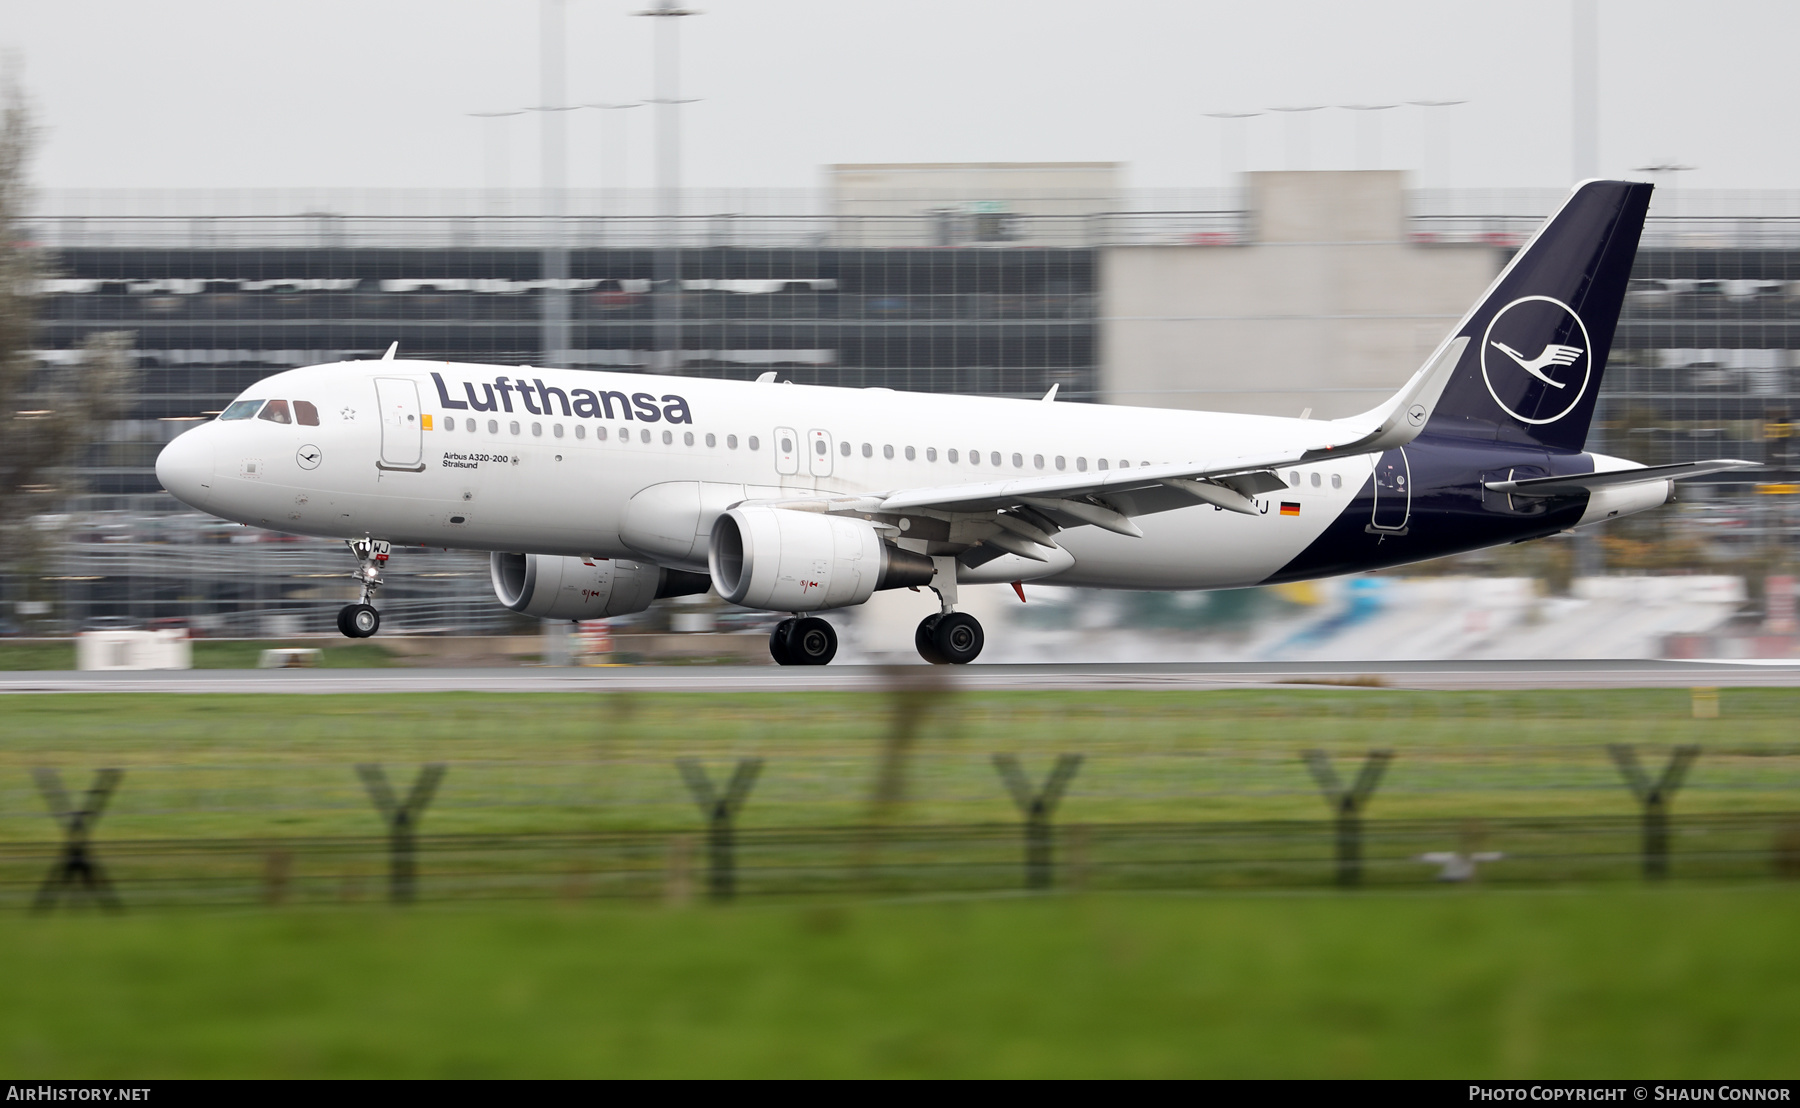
<point x="1290" y="508"/>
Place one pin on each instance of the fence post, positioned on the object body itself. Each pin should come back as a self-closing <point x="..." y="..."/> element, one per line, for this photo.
<point x="1348" y="805"/>
<point x="402" y="820"/>
<point x="1655" y="799"/>
<point x="76" y="868"/>
<point x="720" y="810"/>
<point x="1040" y="861"/>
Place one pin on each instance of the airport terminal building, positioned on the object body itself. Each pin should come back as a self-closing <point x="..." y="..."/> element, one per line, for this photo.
<point x="1297" y="292"/>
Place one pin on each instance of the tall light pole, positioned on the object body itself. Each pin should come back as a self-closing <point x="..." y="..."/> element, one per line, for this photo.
<point x="1584" y="89"/>
<point x="668" y="102"/>
<point x="553" y="134"/>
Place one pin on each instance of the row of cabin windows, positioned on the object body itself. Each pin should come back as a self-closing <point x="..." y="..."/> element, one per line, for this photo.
<point x="952" y="455"/>
<point x="302" y="412"/>
<point x="600" y="433"/>
<point x="307" y="415"/>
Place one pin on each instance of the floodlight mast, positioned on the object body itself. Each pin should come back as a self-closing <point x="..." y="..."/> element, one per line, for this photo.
<point x="668" y="179"/>
<point x="553" y="130"/>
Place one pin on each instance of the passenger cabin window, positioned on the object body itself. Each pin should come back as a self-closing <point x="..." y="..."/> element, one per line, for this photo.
<point x="241" y="409"/>
<point x="843" y="447"/>
<point x="931" y="454"/>
<point x="755" y="443"/>
<point x="1101" y="463"/>
<point x="731" y="442"/>
<point x="305" y="413"/>
<point x="711" y="440"/>
<point x="887" y="452"/>
<point x="911" y="454"/>
<point x="1081" y="465"/>
<point x="276" y="411"/>
<point x="868" y="451"/>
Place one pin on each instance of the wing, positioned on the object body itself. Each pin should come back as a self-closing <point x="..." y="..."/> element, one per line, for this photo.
<point x="1014" y="515"/>
<point x="1166" y="485"/>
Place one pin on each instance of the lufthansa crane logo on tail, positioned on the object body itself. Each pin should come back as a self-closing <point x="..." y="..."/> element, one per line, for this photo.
<point x="1534" y="359"/>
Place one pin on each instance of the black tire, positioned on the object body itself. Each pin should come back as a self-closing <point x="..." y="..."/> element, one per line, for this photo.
<point x="922" y="641"/>
<point x="778" y="643"/>
<point x="812" y="642"/>
<point x="958" y="638"/>
<point x="359" y="621"/>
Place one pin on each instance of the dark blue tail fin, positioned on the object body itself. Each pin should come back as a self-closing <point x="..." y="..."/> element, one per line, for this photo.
<point x="1539" y="337"/>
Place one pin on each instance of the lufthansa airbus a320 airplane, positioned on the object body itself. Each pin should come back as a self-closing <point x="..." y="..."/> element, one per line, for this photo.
<point x="598" y="493"/>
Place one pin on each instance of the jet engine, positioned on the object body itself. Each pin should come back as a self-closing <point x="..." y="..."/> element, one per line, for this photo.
<point x="550" y="587"/>
<point x="783" y="560"/>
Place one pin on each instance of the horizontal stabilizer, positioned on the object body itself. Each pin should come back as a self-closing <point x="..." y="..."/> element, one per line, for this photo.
<point x="1576" y="482"/>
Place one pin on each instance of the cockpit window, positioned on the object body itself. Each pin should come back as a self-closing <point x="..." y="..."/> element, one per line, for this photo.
<point x="241" y="409"/>
<point x="276" y="412"/>
<point x="305" y="413"/>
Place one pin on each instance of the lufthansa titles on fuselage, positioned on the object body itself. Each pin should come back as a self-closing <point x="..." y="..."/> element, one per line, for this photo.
<point x="537" y="398"/>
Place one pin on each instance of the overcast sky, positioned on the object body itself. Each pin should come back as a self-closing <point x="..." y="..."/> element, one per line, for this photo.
<point x="185" y="93"/>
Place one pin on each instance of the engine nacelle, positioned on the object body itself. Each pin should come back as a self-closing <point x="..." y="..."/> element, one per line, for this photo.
<point x="551" y="587"/>
<point x="783" y="560"/>
<point x="1612" y="501"/>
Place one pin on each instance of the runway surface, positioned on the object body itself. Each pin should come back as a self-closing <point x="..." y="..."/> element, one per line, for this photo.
<point x="1637" y="674"/>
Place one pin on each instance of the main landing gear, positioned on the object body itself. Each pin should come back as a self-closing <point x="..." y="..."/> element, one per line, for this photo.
<point x="808" y="641"/>
<point x="950" y="638"/>
<point x="360" y="620"/>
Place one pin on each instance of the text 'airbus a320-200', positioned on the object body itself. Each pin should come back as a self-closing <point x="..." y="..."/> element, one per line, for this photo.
<point x="598" y="493"/>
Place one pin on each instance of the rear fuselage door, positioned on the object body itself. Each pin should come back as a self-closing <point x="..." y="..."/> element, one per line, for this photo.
<point x="1393" y="492"/>
<point x="402" y="435"/>
<point x="818" y="452"/>
<point x="787" y="451"/>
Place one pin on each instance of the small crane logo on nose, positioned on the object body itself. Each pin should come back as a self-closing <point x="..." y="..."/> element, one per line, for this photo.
<point x="308" y="457"/>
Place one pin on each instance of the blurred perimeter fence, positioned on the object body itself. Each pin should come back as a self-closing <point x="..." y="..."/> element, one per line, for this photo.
<point x="714" y="857"/>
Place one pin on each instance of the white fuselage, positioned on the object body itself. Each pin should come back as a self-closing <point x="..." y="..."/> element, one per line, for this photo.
<point x="390" y="459"/>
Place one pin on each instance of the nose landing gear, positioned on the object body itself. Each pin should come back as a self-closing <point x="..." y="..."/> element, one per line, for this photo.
<point x="361" y="620"/>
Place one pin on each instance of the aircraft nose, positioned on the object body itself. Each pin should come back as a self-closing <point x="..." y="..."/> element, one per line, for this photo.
<point x="185" y="468"/>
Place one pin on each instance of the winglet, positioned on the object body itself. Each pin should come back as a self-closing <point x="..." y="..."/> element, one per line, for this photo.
<point x="1051" y="395"/>
<point x="392" y="347"/>
<point x="1406" y="413"/>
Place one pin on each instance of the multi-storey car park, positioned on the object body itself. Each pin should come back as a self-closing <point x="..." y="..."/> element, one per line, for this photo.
<point x="1204" y="299"/>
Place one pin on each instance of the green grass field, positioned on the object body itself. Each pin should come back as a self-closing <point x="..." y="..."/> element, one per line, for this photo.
<point x="1690" y="980"/>
<point x="1669" y="983"/>
<point x="257" y="766"/>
